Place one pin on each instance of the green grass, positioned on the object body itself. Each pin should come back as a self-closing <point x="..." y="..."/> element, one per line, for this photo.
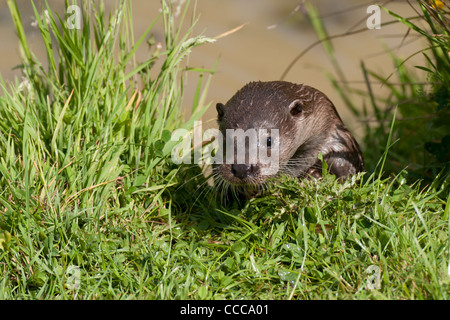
<point x="419" y="93"/>
<point x="91" y="207"/>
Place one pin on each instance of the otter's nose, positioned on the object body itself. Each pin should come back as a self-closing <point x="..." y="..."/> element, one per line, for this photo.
<point x="242" y="171"/>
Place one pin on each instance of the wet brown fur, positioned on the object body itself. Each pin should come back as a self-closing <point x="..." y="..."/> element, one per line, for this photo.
<point x="316" y="128"/>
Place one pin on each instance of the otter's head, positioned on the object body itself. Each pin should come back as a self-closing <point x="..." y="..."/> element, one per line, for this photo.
<point x="283" y="121"/>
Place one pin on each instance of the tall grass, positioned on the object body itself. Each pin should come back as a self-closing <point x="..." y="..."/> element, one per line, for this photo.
<point x="91" y="207"/>
<point x="420" y="93"/>
<point x="83" y="144"/>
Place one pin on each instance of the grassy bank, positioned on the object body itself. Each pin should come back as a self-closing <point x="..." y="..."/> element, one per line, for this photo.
<point x="91" y="206"/>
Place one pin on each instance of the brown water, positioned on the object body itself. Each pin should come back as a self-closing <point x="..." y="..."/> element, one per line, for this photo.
<point x="256" y="52"/>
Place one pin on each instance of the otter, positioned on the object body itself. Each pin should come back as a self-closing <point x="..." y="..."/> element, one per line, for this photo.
<point x="307" y="123"/>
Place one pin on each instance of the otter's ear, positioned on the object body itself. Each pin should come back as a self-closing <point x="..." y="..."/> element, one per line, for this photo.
<point x="220" y="111"/>
<point x="296" y="108"/>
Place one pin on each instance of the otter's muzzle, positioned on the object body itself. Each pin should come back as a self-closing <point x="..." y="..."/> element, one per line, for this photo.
<point x="243" y="171"/>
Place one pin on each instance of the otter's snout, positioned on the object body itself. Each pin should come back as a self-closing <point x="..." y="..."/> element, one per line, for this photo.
<point x="243" y="171"/>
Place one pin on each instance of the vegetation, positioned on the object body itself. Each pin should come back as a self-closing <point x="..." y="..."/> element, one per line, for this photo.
<point x="420" y="96"/>
<point x="92" y="207"/>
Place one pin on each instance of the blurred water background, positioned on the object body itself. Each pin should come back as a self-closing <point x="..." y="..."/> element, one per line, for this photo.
<point x="275" y="32"/>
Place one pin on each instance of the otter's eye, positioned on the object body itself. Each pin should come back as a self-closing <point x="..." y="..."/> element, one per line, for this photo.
<point x="269" y="142"/>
